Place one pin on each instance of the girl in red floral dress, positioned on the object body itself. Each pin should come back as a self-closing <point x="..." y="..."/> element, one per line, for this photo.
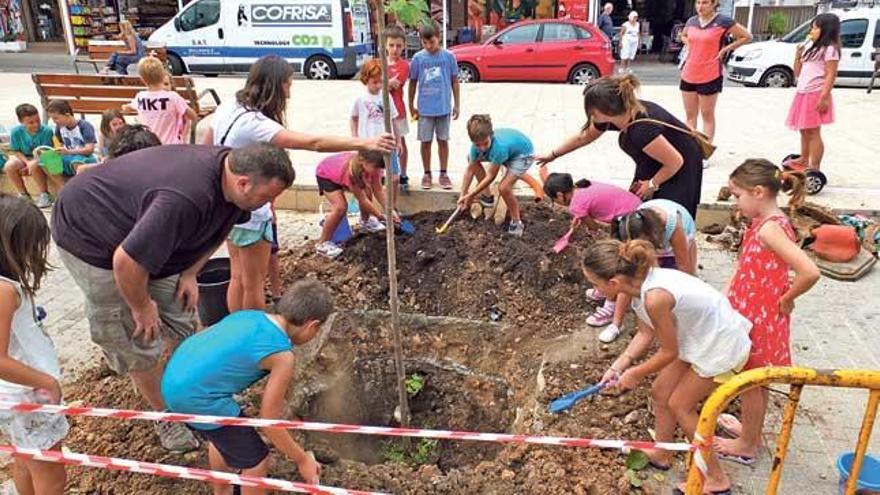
<point x="761" y="291"/>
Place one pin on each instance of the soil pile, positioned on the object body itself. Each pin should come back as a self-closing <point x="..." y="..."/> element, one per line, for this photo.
<point x="471" y="271"/>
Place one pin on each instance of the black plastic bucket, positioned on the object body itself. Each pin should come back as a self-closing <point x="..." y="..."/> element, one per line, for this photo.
<point x="213" y="283"/>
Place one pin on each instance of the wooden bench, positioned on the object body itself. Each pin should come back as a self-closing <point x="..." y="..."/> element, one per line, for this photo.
<point x="95" y="94"/>
<point x="98" y="54"/>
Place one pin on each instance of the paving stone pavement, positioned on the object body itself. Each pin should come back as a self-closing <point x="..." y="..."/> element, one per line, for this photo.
<point x="834" y="326"/>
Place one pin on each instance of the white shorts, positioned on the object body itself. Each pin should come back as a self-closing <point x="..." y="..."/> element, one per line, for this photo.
<point x="32" y="431"/>
<point x="401" y="127"/>
<point x="629" y="49"/>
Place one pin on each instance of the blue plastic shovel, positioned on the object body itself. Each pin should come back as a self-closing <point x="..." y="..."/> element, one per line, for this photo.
<point x="407" y="227"/>
<point x="568" y="401"/>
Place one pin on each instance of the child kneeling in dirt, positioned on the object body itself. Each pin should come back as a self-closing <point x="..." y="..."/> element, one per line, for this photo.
<point x="702" y="340"/>
<point x="501" y="147"/>
<point x="360" y="173"/>
<point x="212" y="366"/>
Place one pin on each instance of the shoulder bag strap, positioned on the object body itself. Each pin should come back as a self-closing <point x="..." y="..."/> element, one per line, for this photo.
<point x="660" y="122"/>
<point x="231" y="125"/>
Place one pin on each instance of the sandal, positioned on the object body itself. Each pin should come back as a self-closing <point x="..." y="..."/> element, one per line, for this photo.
<point x="739" y="459"/>
<point x="726" y="424"/>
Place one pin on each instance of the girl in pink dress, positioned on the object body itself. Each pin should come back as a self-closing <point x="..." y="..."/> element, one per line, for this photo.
<point x="816" y="70"/>
<point x="761" y="291"/>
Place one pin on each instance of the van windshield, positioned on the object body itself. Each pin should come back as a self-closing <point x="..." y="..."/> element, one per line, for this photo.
<point x="799" y="34"/>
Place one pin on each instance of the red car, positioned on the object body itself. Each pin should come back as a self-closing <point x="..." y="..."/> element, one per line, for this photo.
<point x="560" y="50"/>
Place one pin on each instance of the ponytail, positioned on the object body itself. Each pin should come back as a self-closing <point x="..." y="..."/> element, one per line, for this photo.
<point x="644" y="224"/>
<point x="756" y="172"/>
<point x="609" y="257"/>
<point x="612" y="95"/>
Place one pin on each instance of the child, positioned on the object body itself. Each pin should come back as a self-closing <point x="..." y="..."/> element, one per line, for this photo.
<point x="502" y="147"/>
<point x="702" y="340"/>
<point x="23" y="139"/>
<point x="77" y="138"/>
<point x="816" y="70"/>
<point x="29" y="368"/>
<point x="161" y="110"/>
<point x="361" y="174"/>
<point x="185" y="125"/>
<point x="132" y="138"/>
<point x="398" y="73"/>
<point x="368" y="114"/>
<point x="209" y="368"/>
<point x="597" y="205"/>
<point x="668" y="226"/>
<point x="433" y="72"/>
<point x="760" y="289"/>
<point x="111" y="121"/>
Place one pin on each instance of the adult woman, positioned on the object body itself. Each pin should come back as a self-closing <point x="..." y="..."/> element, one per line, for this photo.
<point x="668" y="161"/>
<point x="702" y="77"/>
<point x="629" y="41"/>
<point x="132" y="53"/>
<point x="257" y="115"/>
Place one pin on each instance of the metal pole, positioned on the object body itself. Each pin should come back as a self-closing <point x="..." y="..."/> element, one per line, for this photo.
<point x="445" y="21"/>
<point x="862" y="445"/>
<point x="794" y="397"/>
<point x="751" y="16"/>
<point x="393" y="299"/>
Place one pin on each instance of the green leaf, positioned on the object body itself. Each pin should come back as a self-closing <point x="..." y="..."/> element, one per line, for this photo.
<point x="414" y="384"/>
<point x="637" y="460"/>
<point x="633" y="478"/>
<point x="410" y="13"/>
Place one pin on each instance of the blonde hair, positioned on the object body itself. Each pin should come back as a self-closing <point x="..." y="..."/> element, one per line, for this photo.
<point x="609" y="257"/>
<point x="613" y="95"/>
<point x="756" y="172"/>
<point x="371" y="68"/>
<point x="126" y="29"/>
<point x="356" y="165"/>
<point x="479" y="127"/>
<point x="152" y="71"/>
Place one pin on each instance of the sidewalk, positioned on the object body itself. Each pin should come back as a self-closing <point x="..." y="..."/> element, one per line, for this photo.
<point x="751" y="124"/>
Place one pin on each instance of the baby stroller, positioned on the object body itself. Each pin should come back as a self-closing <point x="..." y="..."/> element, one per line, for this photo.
<point x="672" y="44"/>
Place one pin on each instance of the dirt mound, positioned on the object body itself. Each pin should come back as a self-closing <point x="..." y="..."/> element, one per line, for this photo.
<point x="471" y="271"/>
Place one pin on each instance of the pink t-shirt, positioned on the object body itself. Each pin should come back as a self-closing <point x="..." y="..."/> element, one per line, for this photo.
<point x="163" y="112"/>
<point x="335" y="169"/>
<point x="602" y="202"/>
<point x="813" y="70"/>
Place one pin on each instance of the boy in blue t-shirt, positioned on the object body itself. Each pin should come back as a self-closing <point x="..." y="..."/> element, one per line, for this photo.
<point x="24" y="138"/>
<point x="434" y="72"/>
<point x="78" y="140"/>
<point x="501" y="147"/>
<point x="212" y="366"/>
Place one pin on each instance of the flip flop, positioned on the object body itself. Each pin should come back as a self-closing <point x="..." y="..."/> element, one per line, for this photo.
<point x="730" y="418"/>
<point x="739" y="459"/>
<point x="677" y="491"/>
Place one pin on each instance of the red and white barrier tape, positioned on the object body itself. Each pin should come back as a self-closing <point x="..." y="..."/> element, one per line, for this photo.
<point x="176" y="472"/>
<point x="338" y="428"/>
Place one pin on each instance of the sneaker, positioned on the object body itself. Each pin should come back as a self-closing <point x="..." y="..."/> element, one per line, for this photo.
<point x="609" y="334"/>
<point x="487" y="201"/>
<point x="372" y="225"/>
<point x="404" y="182"/>
<point x="426" y="182"/>
<point x="603" y="315"/>
<point x="328" y="249"/>
<point x="445" y="183"/>
<point x="595" y="295"/>
<point x="44" y="200"/>
<point x="516" y="229"/>
<point x="176" y="437"/>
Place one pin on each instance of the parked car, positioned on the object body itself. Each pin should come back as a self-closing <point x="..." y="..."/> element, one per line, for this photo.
<point x="561" y="50"/>
<point x="323" y="40"/>
<point x="770" y="63"/>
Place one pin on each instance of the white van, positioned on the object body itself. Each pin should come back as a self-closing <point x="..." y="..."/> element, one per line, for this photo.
<point x="324" y="39"/>
<point x="770" y="63"/>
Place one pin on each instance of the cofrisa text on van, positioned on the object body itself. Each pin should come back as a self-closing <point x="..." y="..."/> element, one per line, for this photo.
<point x="290" y="15"/>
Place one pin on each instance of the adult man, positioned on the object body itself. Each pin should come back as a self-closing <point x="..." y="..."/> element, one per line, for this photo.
<point x="134" y="234"/>
<point x="604" y="23"/>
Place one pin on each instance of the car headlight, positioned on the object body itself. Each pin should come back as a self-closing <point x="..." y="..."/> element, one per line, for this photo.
<point x="752" y="54"/>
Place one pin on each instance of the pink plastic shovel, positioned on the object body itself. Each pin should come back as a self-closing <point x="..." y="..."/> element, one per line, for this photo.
<point x="563" y="242"/>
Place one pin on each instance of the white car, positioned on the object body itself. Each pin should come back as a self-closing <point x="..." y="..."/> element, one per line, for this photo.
<point x="770" y="63"/>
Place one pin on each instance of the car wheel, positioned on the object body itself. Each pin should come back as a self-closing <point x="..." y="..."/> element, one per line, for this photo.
<point x="777" y="77"/>
<point x="467" y="73"/>
<point x="582" y="74"/>
<point x="320" y="68"/>
<point x="175" y="65"/>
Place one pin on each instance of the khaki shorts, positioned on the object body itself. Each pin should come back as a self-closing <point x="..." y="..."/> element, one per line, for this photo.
<point x="110" y="321"/>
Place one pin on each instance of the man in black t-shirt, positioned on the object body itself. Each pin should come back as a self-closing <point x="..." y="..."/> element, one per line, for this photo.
<point x="134" y="234"/>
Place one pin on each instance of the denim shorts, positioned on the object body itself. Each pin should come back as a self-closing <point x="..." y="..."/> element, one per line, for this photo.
<point x="431" y="126"/>
<point x="520" y="165"/>
<point x="70" y="161"/>
<point x="240" y="237"/>
<point x="395" y="163"/>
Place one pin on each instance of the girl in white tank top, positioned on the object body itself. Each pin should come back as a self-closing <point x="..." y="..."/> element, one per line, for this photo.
<point x="29" y="371"/>
<point x="702" y="340"/>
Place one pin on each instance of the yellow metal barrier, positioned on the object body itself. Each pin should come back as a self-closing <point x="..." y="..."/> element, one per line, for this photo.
<point x="797" y="378"/>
